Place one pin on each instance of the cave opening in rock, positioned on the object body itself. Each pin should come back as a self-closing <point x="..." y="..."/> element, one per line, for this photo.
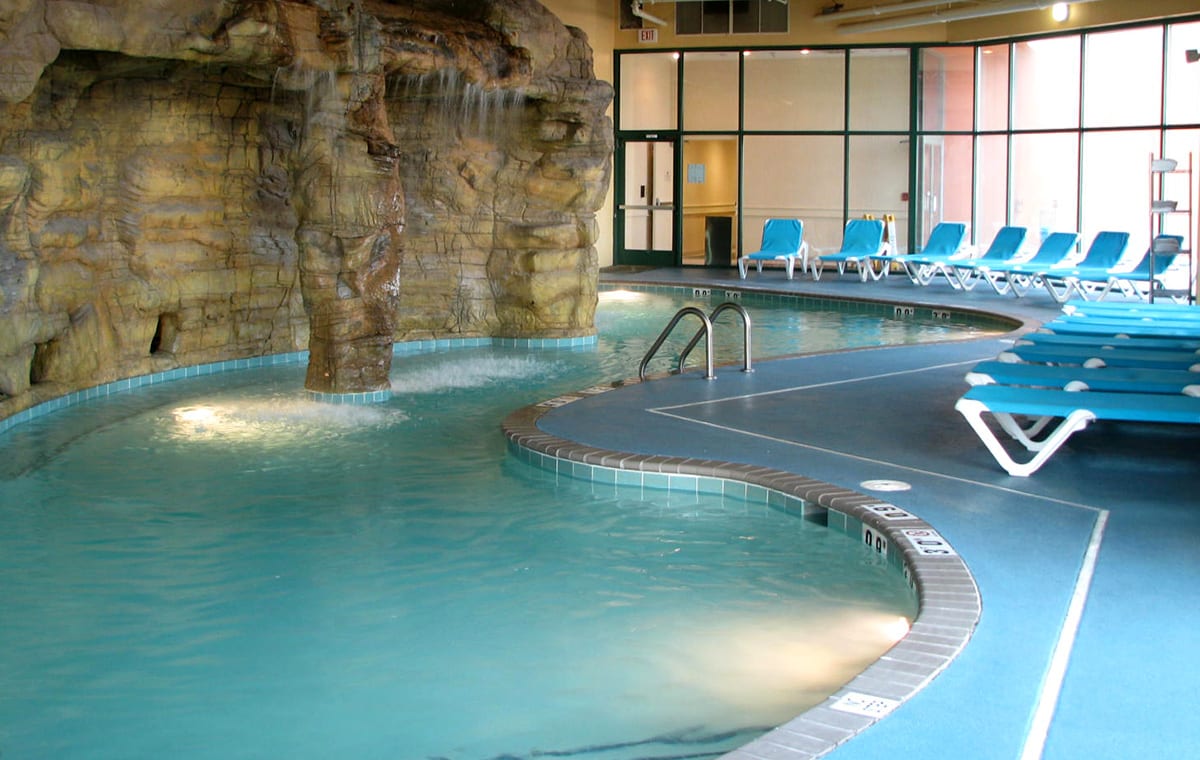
<point x="38" y="368"/>
<point x="165" y="332"/>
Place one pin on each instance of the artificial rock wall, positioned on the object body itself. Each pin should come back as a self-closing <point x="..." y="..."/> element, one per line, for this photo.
<point x="184" y="182"/>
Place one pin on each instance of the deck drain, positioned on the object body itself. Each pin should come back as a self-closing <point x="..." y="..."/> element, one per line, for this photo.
<point x="884" y="485"/>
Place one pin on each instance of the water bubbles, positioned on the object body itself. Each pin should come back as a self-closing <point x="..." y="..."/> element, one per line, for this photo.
<point x="456" y="373"/>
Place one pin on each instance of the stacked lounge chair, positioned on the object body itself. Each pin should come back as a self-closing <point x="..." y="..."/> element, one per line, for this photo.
<point x="1005" y="250"/>
<point x="1081" y="279"/>
<point x="1041" y="399"/>
<point x="1020" y="276"/>
<point x="1150" y="271"/>
<point x="861" y="241"/>
<point x="945" y="244"/>
<point x="923" y="268"/>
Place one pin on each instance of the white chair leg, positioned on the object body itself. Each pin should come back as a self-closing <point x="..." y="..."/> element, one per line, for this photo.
<point x="1060" y="296"/>
<point x="973" y="411"/>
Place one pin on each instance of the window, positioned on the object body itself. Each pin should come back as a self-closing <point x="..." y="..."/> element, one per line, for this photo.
<point x="648" y="91"/>
<point x="879" y="89"/>
<point x="710" y="91"/>
<point x="731" y="17"/>
<point x="1183" y="74"/>
<point x="1124" y="78"/>
<point x="1046" y="83"/>
<point x="944" y="186"/>
<point x="1117" y="159"/>
<point x="993" y="88"/>
<point x="991" y="187"/>
<point x="1044" y="184"/>
<point x="947" y="89"/>
<point x="793" y="175"/>
<point x="878" y="181"/>
<point x="796" y="90"/>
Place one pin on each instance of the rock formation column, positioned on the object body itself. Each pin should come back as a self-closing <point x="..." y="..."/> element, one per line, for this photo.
<point x="351" y="215"/>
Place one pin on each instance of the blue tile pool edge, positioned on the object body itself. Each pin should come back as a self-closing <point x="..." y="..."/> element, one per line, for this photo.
<point x="948" y="599"/>
<point x="401" y="348"/>
<point x="848" y="304"/>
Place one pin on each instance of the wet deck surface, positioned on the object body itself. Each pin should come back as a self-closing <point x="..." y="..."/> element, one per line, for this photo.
<point x="1109" y="527"/>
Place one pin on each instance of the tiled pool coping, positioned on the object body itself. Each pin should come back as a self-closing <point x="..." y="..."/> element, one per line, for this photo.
<point x="843" y="304"/>
<point x="948" y="599"/>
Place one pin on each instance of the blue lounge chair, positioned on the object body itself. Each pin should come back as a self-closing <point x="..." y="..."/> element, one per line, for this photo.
<point x="1112" y="341"/>
<point x="1075" y="409"/>
<point x="1147" y="276"/>
<point x="1018" y="278"/>
<point x="782" y="240"/>
<point x="945" y="243"/>
<point x="1102" y="255"/>
<point x="1101" y="356"/>
<point x="1004" y="246"/>
<point x="1169" y="326"/>
<point x="1109" y="379"/>
<point x="862" y="239"/>
<point x="1125" y="310"/>
<point x="1005" y="250"/>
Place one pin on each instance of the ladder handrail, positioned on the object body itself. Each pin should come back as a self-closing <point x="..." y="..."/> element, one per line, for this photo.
<point x="712" y="317"/>
<point x="706" y="332"/>
<point x="662" y="337"/>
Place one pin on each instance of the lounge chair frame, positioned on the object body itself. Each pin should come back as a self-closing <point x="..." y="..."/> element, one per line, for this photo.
<point x="782" y="240"/>
<point x="1075" y="409"/>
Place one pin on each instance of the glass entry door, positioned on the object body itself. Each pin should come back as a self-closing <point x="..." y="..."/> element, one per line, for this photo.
<point x="646" y="218"/>
<point x="932" y="186"/>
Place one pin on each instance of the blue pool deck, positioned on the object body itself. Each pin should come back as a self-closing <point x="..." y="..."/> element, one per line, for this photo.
<point x="1088" y="571"/>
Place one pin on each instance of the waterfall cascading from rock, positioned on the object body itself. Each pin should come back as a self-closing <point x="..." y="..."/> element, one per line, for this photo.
<point x="189" y="182"/>
<point x="475" y="110"/>
<point x="322" y="107"/>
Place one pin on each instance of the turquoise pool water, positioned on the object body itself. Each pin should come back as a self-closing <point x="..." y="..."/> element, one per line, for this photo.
<point x="629" y="319"/>
<point x="221" y="568"/>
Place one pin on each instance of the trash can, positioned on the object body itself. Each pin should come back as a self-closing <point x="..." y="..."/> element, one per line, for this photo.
<point x="718" y="240"/>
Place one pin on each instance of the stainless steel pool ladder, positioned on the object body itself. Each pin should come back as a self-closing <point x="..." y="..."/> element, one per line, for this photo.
<point x="706" y="332"/>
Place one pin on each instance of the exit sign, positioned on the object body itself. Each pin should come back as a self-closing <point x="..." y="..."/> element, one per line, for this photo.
<point x="647" y="36"/>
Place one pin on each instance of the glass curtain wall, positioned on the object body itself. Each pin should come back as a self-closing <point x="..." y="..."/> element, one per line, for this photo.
<point x="1057" y="133"/>
<point x="1054" y="133"/>
<point x="879" y="145"/>
<point x="801" y="174"/>
<point x="710" y="157"/>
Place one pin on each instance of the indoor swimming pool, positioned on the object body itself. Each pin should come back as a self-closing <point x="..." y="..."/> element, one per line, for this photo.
<point x="220" y="567"/>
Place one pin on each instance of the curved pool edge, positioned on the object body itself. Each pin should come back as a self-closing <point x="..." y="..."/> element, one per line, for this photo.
<point x="949" y="604"/>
